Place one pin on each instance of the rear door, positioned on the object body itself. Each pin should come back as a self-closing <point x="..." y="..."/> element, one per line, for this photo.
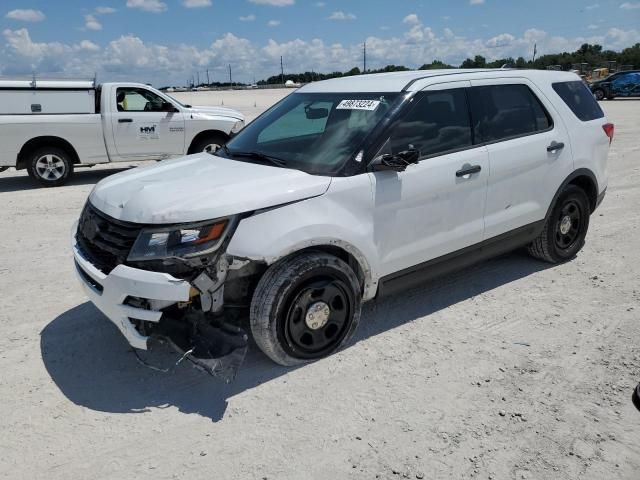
<point x="142" y="126"/>
<point x="433" y="207"/>
<point x="529" y="151"/>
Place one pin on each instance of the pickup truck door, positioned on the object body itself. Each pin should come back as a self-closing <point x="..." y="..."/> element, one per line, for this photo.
<point x="145" y="126"/>
<point x="435" y="206"/>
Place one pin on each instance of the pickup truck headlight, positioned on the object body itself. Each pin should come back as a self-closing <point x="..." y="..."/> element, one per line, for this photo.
<point x="239" y="125"/>
<point x="179" y="241"/>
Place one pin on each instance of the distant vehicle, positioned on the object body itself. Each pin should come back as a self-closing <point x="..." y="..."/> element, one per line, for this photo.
<point x="347" y="190"/>
<point x="48" y="127"/>
<point x="619" y="84"/>
<point x="291" y="84"/>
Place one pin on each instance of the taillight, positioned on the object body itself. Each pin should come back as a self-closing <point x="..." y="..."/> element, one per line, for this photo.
<point x="608" y="129"/>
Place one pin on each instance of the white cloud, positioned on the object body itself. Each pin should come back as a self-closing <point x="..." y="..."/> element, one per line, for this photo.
<point x="88" y="46"/>
<point x="592" y="7"/>
<point x="248" y="18"/>
<point x="320" y="4"/>
<point x="476" y="2"/>
<point x="593" y="27"/>
<point x="91" y="23"/>
<point x="105" y="10"/>
<point x="412" y="19"/>
<point x="274" y="3"/>
<point x="630" y="5"/>
<point x="130" y="58"/>
<point x="341" y="16"/>
<point x="273" y="23"/>
<point x="196" y="3"/>
<point x="153" y="6"/>
<point x="28" y="15"/>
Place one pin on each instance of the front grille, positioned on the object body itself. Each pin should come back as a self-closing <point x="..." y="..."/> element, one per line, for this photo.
<point x="105" y="241"/>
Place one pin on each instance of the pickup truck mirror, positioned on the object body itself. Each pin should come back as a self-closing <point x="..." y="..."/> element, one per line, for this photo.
<point x="168" y="107"/>
<point x="395" y="162"/>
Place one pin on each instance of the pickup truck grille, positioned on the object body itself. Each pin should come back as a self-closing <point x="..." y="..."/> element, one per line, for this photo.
<point x="105" y="241"/>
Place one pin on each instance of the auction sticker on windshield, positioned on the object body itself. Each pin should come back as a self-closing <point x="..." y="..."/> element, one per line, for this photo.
<point x="358" y="105"/>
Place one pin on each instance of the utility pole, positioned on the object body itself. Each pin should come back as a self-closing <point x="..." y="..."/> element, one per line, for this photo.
<point x="364" y="70"/>
<point x="208" y="81"/>
<point x="535" y="50"/>
<point x="281" y="70"/>
<point x="198" y="74"/>
<point x="230" y="80"/>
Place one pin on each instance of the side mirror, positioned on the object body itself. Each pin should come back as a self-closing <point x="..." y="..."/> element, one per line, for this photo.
<point x="397" y="163"/>
<point x="316" y="113"/>
<point x="167" y="107"/>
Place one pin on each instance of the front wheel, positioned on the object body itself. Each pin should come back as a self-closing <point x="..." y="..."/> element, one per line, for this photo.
<point x="305" y="307"/>
<point x="51" y="166"/>
<point x="599" y="94"/>
<point x="210" y="144"/>
<point x="565" y="230"/>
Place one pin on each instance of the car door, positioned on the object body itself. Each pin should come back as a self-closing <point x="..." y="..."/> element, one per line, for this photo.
<point x="529" y="151"/>
<point x="435" y="206"/>
<point x="626" y="85"/>
<point x="145" y="126"/>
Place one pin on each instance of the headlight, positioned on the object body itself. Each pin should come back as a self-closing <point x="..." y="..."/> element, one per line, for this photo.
<point x="178" y="241"/>
<point x="239" y="125"/>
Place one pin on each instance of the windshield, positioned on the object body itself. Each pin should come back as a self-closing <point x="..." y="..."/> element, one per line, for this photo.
<point x="313" y="132"/>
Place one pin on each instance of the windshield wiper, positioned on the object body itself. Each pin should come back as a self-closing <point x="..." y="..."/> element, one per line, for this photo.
<point x="278" y="162"/>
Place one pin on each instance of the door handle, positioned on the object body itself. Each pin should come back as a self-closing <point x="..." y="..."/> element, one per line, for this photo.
<point x="468" y="170"/>
<point x="125" y="120"/>
<point x="555" y="146"/>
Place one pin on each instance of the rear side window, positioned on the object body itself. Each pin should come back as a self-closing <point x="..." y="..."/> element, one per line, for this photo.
<point x="438" y="123"/>
<point x="579" y="99"/>
<point x="501" y="112"/>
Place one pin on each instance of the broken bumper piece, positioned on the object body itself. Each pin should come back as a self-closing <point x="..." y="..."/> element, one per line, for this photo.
<point x="212" y="345"/>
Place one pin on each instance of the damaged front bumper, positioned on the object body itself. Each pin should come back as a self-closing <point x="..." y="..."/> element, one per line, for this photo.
<point x="110" y="292"/>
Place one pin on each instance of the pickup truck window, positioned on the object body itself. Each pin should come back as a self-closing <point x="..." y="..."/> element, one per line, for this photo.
<point x="138" y="100"/>
<point x="313" y="132"/>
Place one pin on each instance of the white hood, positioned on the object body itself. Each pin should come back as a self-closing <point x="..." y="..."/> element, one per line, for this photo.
<point x="200" y="187"/>
<point x="216" y="111"/>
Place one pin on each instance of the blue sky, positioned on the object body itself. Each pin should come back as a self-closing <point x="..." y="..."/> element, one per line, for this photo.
<point x="165" y="41"/>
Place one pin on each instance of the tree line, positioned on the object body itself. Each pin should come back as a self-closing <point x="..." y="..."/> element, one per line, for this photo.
<point x="594" y="55"/>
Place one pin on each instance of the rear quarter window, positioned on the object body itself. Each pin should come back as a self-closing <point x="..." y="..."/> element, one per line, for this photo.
<point x="579" y="99"/>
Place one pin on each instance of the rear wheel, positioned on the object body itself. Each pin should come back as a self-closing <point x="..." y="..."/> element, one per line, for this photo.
<point x="51" y="166"/>
<point x="566" y="228"/>
<point x="305" y="308"/>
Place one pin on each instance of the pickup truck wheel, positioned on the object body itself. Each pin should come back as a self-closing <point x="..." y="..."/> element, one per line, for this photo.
<point x="209" y="144"/>
<point x="566" y="228"/>
<point x="51" y="166"/>
<point x="305" y="307"/>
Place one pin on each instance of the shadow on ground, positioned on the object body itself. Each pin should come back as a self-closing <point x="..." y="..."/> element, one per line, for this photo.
<point x="92" y="364"/>
<point x="17" y="182"/>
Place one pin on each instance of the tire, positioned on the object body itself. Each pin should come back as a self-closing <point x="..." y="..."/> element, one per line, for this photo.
<point x="210" y="144"/>
<point x="51" y="166"/>
<point x="599" y="94"/>
<point x="305" y="307"/>
<point x="566" y="228"/>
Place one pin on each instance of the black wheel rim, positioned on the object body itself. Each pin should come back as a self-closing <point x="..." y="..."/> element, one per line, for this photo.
<point x="568" y="225"/>
<point x="302" y="340"/>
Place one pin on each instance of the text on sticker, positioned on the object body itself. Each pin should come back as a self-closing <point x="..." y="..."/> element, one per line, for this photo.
<point x="358" y="105"/>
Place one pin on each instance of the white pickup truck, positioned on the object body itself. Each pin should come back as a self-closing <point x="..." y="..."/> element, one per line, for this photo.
<point x="48" y="127"/>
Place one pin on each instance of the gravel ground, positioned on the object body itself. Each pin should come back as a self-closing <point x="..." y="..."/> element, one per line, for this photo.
<point x="512" y="369"/>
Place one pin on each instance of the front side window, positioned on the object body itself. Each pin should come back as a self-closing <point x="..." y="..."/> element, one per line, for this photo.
<point x="138" y="100"/>
<point x="501" y="112"/>
<point x="313" y="132"/>
<point x="439" y="122"/>
<point x="579" y="99"/>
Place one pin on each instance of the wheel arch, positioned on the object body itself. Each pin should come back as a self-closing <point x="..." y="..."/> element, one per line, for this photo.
<point x="586" y="180"/>
<point x="44" y="141"/>
<point x="204" y="134"/>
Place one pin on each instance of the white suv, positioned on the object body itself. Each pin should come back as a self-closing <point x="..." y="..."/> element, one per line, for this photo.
<point x="346" y="190"/>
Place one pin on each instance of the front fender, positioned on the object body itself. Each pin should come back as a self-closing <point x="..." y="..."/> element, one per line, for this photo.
<point x="328" y="220"/>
